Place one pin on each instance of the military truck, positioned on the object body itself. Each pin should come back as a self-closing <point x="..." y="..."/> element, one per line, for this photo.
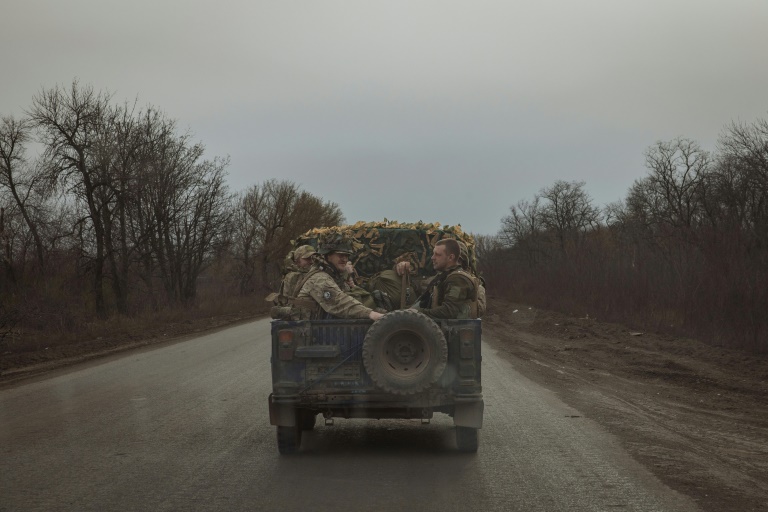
<point x="405" y="365"/>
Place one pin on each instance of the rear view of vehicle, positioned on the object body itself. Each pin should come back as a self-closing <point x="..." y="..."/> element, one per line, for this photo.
<point x="403" y="366"/>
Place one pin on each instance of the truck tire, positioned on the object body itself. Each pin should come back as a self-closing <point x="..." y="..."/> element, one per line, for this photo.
<point x="307" y="419"/>
<point x="404" y="352"/>
<point x="288" y="439"/>
<point x="467" y="439"/>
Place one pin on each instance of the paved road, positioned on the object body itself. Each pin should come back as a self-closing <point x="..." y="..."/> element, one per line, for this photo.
<point x="185" y="427"/>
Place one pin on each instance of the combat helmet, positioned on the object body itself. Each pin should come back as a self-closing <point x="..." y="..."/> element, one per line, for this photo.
<point x="303" y="251"/>
<point x="335" y="242"/>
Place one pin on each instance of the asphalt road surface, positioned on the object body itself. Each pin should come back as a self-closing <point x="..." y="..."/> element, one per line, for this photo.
<point x="186" y="427"/>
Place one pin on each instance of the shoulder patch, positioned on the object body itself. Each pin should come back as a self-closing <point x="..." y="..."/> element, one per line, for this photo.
<point x="453" y="292"/>
<point x="327" y="295"/>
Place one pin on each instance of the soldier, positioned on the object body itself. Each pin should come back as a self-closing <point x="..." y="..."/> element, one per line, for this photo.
<point x="297" y="264"/>
<point x="319" y="293"/>
<point x="301" y="258"/>
<point x="453" y="292"/>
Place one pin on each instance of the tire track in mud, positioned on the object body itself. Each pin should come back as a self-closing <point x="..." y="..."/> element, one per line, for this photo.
<point x="697" y="424"/>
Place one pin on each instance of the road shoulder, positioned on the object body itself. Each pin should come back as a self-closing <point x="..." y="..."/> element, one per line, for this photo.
<point x="691" y="413"/>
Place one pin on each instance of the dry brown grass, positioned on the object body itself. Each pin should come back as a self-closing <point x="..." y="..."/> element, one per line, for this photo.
<point x="32" y="345"/>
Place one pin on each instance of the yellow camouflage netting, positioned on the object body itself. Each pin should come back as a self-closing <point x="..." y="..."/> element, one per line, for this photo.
<point x="378" y="245"/>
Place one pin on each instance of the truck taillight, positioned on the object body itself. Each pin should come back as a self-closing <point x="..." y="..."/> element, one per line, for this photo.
<point x="466" y="343"/>
<point x="285" y="345"/>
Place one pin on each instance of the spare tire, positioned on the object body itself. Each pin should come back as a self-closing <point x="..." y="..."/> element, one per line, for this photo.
<point x="404" y="352"/>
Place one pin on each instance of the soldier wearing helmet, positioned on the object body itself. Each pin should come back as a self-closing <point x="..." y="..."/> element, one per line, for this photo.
<point x="302" y="256"/>
<point x="320" y="293"/>
<point x="297" y="265"/>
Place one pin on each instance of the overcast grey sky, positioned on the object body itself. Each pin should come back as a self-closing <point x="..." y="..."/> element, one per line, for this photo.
<point x="447" y="111"/>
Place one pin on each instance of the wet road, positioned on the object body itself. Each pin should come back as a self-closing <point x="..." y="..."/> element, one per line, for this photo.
<point x="186" y="427"/>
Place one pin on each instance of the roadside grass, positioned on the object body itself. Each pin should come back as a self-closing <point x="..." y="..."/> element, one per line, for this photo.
<point x="28" y="345"/>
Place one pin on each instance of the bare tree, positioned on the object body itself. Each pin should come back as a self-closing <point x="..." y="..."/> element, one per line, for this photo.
<point x="244" y="243"/>
<point x="273" y="214"/>
<point x="69" y="122"/>
<point x="269" y="205"/>
<point x="742" y="177"/>
<point x="310" y="211"/>
<point x="17" y="177"/>
<point x="684" y="252"/>
<point x="569" y="212"/>
<point x="116" y="159"/>
<point x="179" y="208"/>
<point x="199" y="223"/>
<point x="523" y="229"/>
<point x="159" y="153"/>
<point x="491" y="261"/>
<point x="673" y="190"/>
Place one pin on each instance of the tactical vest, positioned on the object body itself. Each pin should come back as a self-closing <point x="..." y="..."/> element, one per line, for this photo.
<point x="291" y="307"/>
<point x="308" y="309"/>
<point x="438" y="285"/>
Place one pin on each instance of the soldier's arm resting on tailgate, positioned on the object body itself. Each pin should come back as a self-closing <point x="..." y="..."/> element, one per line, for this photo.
<point x="336" y="302"/>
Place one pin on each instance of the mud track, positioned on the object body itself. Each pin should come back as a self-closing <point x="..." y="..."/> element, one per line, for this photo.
<point x="696" y="415"/>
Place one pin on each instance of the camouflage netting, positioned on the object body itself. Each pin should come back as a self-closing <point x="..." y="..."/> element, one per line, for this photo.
<point x="378" y="245"/>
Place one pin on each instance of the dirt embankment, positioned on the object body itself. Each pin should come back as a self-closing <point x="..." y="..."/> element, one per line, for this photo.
<point x="42" y="356"/>
<point x="696" y="415"/>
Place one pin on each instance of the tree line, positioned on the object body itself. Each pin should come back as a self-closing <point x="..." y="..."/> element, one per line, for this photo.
<point x="686" y="252"/>
<point x="110" y="209"/>
<point x="107" y="208"/>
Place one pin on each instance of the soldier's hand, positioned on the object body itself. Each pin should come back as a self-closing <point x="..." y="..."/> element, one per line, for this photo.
<point x="373" y="315"/>
<point x="403" y="267"/>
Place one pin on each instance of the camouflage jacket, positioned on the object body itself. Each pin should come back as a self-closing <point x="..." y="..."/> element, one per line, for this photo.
<point x="452" y="294"/>
<point x="481" y="301"/>
<point x="320" y="296"/>
<point x="290" y="280"/>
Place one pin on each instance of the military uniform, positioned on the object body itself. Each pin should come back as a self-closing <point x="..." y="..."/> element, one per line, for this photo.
<point x="288" y="286"/>
<point x="480" y="282"/>
<point x="359" y="293"/>
<point x="390" y="285"/>
<point x="320" y="296"/>
<point x="292" y="275"/>
<point x="481" y="301"/>
<point x="452" y="294"/>
<point x="363" y="295"/>
<point x="322" y="292"/>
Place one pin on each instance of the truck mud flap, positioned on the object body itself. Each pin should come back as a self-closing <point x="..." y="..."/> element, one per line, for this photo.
<point x="282" y="414"/>
<point x="469" y="414"/>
